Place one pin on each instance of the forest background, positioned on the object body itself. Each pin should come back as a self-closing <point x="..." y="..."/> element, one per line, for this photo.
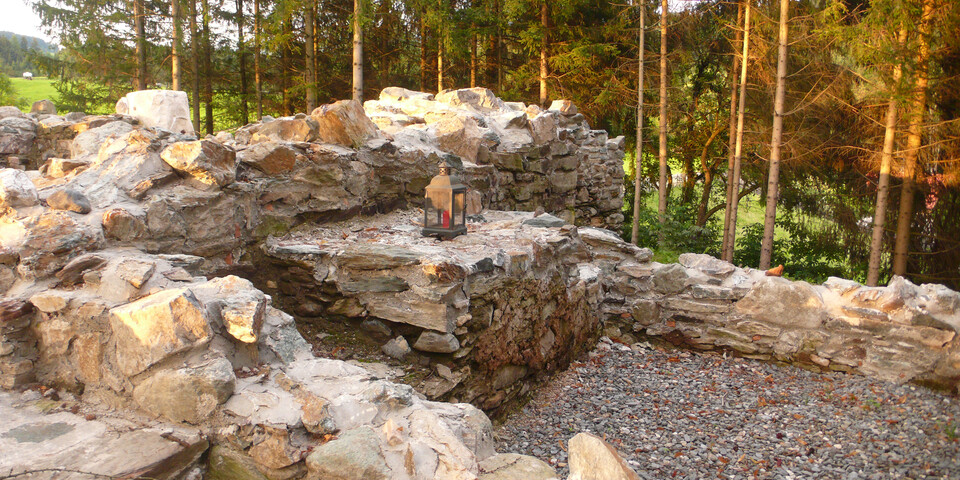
<point x="848" y="65"/>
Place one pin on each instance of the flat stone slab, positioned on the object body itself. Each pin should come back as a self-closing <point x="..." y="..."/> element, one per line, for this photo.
<point x="62" y="445"/>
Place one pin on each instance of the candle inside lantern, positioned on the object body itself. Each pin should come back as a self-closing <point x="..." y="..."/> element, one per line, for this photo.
<point x="446" y="219"/>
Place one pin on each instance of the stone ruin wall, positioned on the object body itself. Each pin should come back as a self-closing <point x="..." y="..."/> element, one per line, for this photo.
<point x="126" y="218"/>
<point x="117" y="249"/>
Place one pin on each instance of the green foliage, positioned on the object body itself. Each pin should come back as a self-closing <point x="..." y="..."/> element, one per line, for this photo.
<point x="8" y="96"/>
<point x="679" y="231"/>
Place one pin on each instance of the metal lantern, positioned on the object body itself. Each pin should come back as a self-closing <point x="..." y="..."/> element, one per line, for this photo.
<point x="445" y="205"/>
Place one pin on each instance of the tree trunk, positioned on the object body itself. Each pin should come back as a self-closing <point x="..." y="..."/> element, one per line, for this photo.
<point x="440" y="40"/>
<point x="308" y="57"/>
<point x="708" y="177"/>
<point x="423" y="52"/>
<point x="285" y="68"/>
<point x="496" y="7"/>
<point x="175" y="74"/>
<point x="544" y="46"/>
<point x="773" y="178"/>
<point x="638" y="163"/>
<point x="242" y="53"/>
<point x="141" y="50"/>
<point x="207" y="70"/>
<point x="358" y="50"/>
<point x="731" y="140"/>
<point x="883" y="185"/>
<point x="901" y="249"/>
<point x="473" y="58"/>
<point x="258" y="83"/>
<point x="738" y="145"/>
<point x="195" y="64"/>
<point x="662" y="191"/>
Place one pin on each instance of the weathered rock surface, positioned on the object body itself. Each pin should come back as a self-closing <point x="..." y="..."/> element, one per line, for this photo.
<point x="209" y="162"/>
<point x="511" y="466"/>
<point x="16" y="189"/>
<point x="33" y="441"/>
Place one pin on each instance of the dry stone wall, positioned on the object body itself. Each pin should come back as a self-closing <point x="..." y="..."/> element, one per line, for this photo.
<point x="517" y="157"/>
<point x="492" y="311"/>
<point x="117" y="237"/>
<point x="901" y="332"/>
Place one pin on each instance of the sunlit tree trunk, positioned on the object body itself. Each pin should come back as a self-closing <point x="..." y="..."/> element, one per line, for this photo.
<point x="773" y="177"/>
<point x="309" y="54"/>
<point x="141" y="49"/>
<point x="473" y="59"/>
<point x="708" y="177"/>
<point x="285" y="69"/>
<point x="731" y="140"/>
<point x="638" y="164"/>
<point x="441" y="34"/>
<point x="883" y="184"/>
<point x="918" y="104"/>
<point x="242" y="53"/>
<point x="207" y="70"/>
<point x="738" y="145"/>
<point x="195" y="64"/>
<point x="423" y="52"/>
<point x="175" y="74"/>
<point x="358" y="50"/>
<point x="258" y="83"/>
<point x="662" y="204"/>
<point x="544" y="47"/>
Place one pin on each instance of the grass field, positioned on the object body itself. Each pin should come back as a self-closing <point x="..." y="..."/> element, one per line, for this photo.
<point x="32" y="90"/>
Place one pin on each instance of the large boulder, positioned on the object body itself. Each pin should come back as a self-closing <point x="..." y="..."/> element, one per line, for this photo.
<point x="459" y="135"/>
<point x="89" y="142"/>
<point x="155" y="327"/>
<point x="512" y="466"/>
<point x="166" y="109"/>
<point x="52" y="239"/>
<point x="17" y="135"/>
<point x="241" y="306"/>
<point x="344" y="123"/>
<point x="288" y="129"/>
<point x="209" y="162"/>
<point x="269" y="157"/>
<point x="780" y="302"/>
<point x="189" y="394"/>
<point x="564" y="107"/>
<point x="355" y="455"/>
<point x="16" y="189"/>
<point x="593" y="459"/>
<point x="398" y="94"/>
<point x="478" y="99"/>
<point x="43" y="107"/>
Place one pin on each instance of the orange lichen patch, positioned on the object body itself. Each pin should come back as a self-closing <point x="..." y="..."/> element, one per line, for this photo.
<point x="443" y="272"/>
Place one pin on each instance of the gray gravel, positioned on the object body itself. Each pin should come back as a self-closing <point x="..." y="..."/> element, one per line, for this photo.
<point x="678" y="414"/>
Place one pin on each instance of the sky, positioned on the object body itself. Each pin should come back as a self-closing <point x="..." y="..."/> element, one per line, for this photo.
<point x="19" y="18"/>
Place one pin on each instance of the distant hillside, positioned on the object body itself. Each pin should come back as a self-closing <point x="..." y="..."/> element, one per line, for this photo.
<point x="31" y="42"/>
<point x="20" y="53"/>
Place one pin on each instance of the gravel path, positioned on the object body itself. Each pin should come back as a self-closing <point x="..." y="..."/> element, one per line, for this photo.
<point x="678" y="414"/>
